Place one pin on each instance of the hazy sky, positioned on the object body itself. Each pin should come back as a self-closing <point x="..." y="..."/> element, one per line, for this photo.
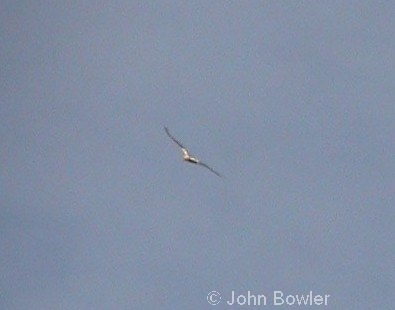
<point x="293" y="101"/>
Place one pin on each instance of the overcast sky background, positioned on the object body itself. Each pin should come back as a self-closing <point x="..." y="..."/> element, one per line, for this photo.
<point x="293" y="101"/>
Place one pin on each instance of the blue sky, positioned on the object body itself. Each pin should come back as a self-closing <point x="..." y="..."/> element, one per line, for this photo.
<point x="293" y="101"/>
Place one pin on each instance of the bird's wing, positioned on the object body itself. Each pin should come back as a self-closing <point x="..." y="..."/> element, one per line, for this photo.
<point x="209" y="168"/>
<point x="174" y="139"/>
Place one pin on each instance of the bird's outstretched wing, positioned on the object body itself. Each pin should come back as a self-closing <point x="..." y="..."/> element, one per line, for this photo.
<point x="174" y="139"/>
<point x="209" y="168"/>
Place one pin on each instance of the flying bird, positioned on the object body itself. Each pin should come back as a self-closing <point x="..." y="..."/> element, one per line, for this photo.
<point x="187" y="157"/>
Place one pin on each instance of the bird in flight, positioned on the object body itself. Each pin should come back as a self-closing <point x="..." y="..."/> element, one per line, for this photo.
<point x="188" y="157"/>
